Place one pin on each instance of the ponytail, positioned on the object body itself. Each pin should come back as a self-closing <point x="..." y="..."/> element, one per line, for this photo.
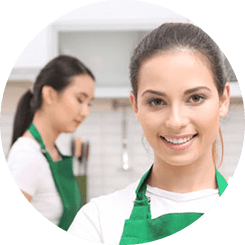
<point x="23" y="116"/>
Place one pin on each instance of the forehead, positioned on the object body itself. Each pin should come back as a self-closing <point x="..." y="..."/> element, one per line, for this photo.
<point x="175" y="70"/>
<point x="81" y="84"/>
<point x="81" y="78"/>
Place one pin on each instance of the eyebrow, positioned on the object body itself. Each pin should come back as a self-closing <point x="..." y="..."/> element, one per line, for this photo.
<point x="153" y="92"/>
<point x="85" y="95"/>
<point x="189" y="91"/>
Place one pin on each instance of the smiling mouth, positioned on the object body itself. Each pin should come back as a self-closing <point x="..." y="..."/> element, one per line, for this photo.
<point x="178" y="141"/>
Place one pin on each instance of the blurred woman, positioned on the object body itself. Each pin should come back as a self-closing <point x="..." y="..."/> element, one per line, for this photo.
<point x="58" y="103"/>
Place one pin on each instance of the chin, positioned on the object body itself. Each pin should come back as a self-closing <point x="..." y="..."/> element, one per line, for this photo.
<point x="180" y="164"/>
<point x="70" y="130"/>
<point x="177" y="161"/>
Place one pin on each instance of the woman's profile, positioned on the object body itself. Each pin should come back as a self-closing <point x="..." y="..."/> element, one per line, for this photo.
<point x="179" y="93"/>
<point x="58" y="102"/>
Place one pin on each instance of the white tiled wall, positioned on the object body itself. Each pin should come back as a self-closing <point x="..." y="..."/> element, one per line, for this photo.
<point x="104" y="132"/>
<point x="103" y="129"/>
<point x="233" y="134"/>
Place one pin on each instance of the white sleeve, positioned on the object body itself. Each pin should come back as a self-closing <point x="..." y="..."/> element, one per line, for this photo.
<point x="86" y="224"/>
<point x="26" y="170"/>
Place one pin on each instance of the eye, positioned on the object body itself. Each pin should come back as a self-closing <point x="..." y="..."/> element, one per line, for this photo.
<point x="80" y="100"/>
<point x="196" y="98"/>
<point x="156" y="102"/>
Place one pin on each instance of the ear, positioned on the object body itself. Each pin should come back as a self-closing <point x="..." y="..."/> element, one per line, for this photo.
<point x="48" y="95"/>
<point x="133" y="102"/>
<point x="225" y="101"/>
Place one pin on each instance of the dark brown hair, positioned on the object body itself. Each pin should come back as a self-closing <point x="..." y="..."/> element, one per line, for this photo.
<point x="174" y="36"/>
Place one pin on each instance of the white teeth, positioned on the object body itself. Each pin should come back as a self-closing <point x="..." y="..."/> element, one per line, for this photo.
<point x="178" y="141"/>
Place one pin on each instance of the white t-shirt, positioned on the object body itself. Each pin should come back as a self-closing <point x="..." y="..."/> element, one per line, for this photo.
<point x="32" y="174"/>
<point x="102" y="219"/>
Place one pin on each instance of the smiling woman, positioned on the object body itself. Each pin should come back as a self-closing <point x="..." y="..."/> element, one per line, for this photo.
<point x="180" y="92"/>
<point x="171" y="111"/>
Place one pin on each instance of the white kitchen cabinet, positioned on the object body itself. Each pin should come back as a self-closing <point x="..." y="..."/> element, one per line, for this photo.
<point x="107" y="53"/>
<point x="102" y="35"/>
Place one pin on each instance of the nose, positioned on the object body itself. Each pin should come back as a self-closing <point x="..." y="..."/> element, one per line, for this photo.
<point x="177" y="118"/>
<point x="84" y="111"/>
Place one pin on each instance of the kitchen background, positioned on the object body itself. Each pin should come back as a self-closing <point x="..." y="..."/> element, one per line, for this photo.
<point x="103" y="37"/>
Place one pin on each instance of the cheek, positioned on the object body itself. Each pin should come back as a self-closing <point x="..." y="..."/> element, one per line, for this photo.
<point x="66" y="110"/>
<point x="209" y="122"/>
<point x="150" y="124"/>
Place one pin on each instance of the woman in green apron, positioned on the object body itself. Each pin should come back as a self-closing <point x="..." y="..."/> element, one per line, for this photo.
<point x="180" y="92"/>
<point x="58" y="103"/>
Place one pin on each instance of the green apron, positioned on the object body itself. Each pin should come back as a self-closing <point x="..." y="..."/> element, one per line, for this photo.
<point x="140" y="228"/>
<point x="65" y="183"/>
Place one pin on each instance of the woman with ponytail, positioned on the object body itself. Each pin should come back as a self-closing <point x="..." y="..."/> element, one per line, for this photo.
<point x="57" y="103"/>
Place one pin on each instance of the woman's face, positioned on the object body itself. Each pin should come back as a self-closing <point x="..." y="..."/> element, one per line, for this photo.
<point x="179" y="107"/>
<point x="71" y="106"/>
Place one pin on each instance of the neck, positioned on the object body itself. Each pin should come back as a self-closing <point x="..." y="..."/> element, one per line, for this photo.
<point x="183" y="179"/>
<point x="45" y="128"/>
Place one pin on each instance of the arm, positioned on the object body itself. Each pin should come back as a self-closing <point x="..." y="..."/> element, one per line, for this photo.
<point x="27" y="196"/>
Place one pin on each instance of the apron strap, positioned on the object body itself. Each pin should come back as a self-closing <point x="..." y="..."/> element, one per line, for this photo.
<point x="141" y="189"/>
<point x="34" y="132"/>
<point x="141" y="204"/>
<point x="221" y="182"/>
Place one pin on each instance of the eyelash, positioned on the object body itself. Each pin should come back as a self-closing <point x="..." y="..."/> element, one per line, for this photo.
<point x="80" y="101"/>
<point x="152" y="102"/>
<point x="200" y="96"/>
<point x="160" y="102"/>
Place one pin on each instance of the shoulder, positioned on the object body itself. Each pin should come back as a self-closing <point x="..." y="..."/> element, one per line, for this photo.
<point x="23" y="142"/>
<point x="118" y="203"/>
<point x="25" y="153"/>
<point x="27" y="165"/>
<point x="118" y="198"/>
<point x="112" y="202"/>
<point x="24" y="146"/>
<point x="102" y="219"/>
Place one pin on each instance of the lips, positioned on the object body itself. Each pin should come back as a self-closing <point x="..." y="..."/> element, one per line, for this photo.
<point x="178" y="143"/>
<point x="78" y="122"/>
<point x="177" y="140"/>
